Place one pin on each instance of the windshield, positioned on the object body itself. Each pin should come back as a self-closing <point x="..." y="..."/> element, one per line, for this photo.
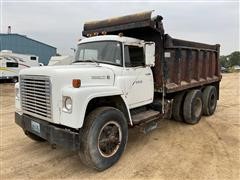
<point x="102" y="52"/>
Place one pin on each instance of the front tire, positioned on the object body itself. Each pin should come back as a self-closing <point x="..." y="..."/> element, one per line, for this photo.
<point x="103" y="138"/>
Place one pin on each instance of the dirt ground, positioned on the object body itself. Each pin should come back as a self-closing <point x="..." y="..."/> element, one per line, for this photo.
<point x="208" y="150"/>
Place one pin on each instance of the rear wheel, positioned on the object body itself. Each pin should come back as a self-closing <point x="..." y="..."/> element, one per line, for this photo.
<point x="178" y="107"/>
<point x="192" y="108"/>
<point x="209" y="100"/>
<point x="103" y="138"/>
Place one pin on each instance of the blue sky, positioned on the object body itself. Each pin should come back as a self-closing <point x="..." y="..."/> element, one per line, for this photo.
<point x="60" y="23"/>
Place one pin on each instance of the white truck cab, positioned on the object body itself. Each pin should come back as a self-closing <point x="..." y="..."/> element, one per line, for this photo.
<point x="107" y="65"/>
<point x="109" y="71"/>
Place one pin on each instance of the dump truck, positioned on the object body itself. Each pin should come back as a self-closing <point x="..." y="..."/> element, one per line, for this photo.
<point x="127" y="73"/>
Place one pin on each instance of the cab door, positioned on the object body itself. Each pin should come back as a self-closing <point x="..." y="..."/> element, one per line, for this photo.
<point x="138" y="77"/>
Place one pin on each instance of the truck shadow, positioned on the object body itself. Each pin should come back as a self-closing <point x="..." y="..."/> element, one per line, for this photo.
<point x="69" y="162"/>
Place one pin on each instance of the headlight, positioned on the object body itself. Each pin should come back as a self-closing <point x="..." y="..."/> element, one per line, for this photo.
<point x="67" y="104"/>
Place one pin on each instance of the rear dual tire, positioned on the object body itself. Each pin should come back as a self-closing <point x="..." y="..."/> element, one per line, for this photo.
<point x="177" y="112"/>
<point x="190" y="107"/>
<point x="209" y="100"/>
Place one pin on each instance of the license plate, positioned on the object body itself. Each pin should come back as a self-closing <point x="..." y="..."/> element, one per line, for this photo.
<point x="35" y="126"/>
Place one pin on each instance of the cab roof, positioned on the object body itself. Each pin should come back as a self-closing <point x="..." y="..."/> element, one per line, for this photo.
<point x="122" y="39"/>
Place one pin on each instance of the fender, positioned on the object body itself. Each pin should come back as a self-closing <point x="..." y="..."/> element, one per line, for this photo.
<point x="80" y="99"/>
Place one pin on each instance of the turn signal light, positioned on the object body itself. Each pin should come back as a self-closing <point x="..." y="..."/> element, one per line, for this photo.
<point x="76" y="83"/>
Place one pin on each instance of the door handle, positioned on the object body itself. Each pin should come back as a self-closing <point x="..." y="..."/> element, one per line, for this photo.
<point x="148" y="74"/>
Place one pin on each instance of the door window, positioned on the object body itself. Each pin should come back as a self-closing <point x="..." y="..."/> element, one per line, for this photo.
<point x="134" y="56"/>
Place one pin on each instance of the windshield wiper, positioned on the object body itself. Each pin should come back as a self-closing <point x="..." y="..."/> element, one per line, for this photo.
<point x="86" y="60"/>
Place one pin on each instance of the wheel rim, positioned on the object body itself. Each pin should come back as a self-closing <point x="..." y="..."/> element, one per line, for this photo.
<point x="212" y="101"/>
<point x="197" y="108"/>
<point x="109" y="139"/>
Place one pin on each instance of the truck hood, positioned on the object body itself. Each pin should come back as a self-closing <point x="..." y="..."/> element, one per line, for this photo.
<point x="89" y="74"/>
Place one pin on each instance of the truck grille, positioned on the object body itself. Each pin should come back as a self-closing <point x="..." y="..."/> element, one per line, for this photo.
<point x="36" y="96"/>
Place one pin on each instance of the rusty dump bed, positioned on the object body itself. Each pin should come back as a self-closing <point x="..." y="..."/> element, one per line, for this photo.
<point x="179" y="64"/>
<point x="189" y="64"/>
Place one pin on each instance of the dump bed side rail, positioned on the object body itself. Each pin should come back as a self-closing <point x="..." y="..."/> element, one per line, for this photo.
<point x="190" y="64"/>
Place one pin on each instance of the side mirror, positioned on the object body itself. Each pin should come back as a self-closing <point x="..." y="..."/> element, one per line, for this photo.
<point x="149" y="53"/>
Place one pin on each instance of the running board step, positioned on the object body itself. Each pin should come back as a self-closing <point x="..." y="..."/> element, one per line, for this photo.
<point x="148" y="127"/>
<point x="145" y="116"/>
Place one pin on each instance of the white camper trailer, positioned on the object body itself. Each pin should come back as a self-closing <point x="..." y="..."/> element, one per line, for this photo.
<point x="60" y="60"/>
<point x="11" y="63"/>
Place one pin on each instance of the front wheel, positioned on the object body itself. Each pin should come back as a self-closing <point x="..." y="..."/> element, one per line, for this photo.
<point x="103" y="138"/>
